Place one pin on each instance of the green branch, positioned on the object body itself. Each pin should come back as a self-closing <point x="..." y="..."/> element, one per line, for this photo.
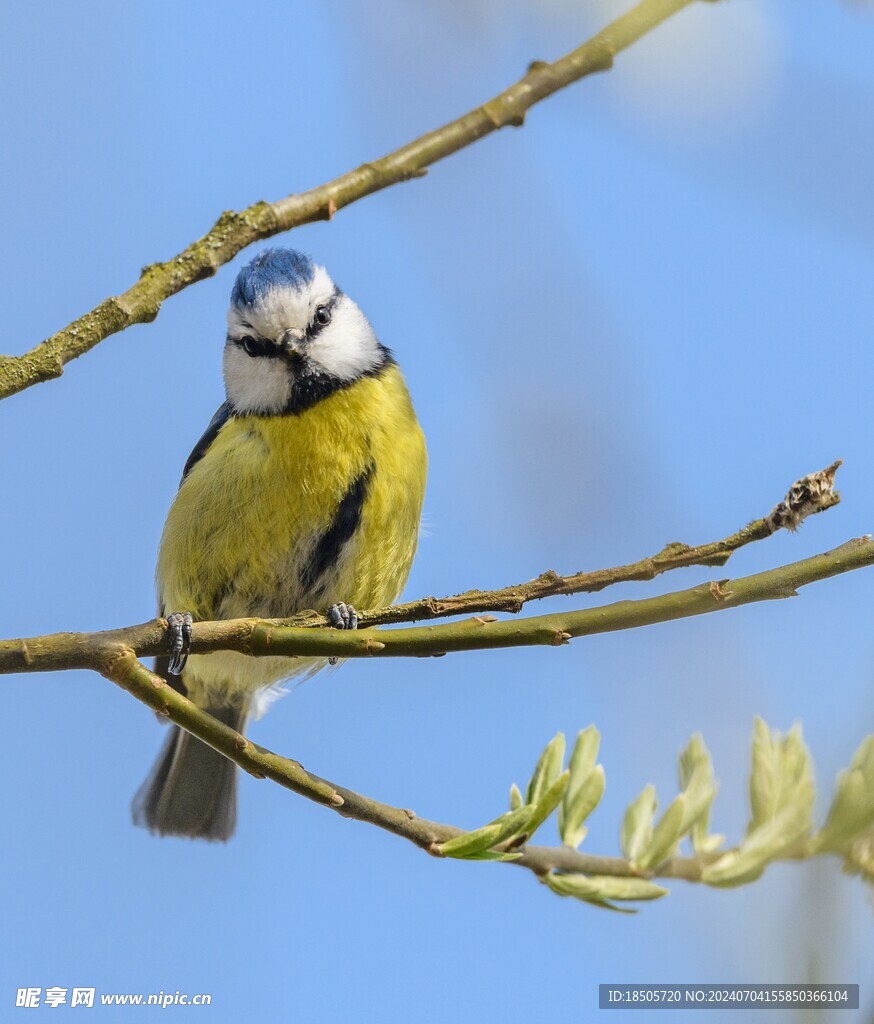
<point x="263" y="638"/>
<point x="234" y="231"/>
<point x="782" y="786"/>
<point x="553" y="630"/>
<point x="811" y="494"/>
<point x="780" y="826"/>
<point x="130" y="674"/>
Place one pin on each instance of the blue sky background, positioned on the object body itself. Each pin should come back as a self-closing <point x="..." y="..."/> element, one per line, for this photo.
<point x="636" y="320"/>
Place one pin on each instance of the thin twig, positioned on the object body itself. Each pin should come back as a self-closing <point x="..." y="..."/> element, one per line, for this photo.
<point x="130" y="674"/>
<point x="261" y="638"/>
<point x="114" y="654"/>
<point x="234" y="231"/>
<point x="811" y="494"/>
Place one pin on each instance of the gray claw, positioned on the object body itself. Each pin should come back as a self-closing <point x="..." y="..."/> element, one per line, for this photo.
<point x="179" y="624"/>
<point x="343" y="616"/>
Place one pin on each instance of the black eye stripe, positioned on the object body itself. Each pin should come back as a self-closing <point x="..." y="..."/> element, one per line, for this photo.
<point x="254" y="346"/>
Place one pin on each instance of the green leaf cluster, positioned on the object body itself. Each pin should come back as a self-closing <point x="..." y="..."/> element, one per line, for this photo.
<point x="849" y="826"/>
<point x="647" y="843"/>
<point x="781" y="793"/>
<point x="781" y="803"/>
<point x="501" y="838"/>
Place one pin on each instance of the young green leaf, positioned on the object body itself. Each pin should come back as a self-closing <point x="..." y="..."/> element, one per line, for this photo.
<point x="859" y="859"/>
<point x="781" y="775"/>
<point x="576" y="806"/>
<point x="852" y="808"/>
<point x="765" y="844"/>
<point x="508" y="825"/>
<point x="665" y="836"/>
<point x="584" y="755"/>
<point x="636" y="830"/>
<point x="763" y="776"/>
<point x="490" y="855"/>
<point x="608" y="887"/>
<point x="585" y="788"/>
<point x="600" y="889"/>
<point x="547" y="769"/>
<point x="699" y="784"/>
<point x="547" y="803"/>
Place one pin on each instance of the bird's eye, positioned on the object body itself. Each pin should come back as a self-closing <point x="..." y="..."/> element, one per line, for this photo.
<point x="252" y="346"/>
<point x="323" y="316"/>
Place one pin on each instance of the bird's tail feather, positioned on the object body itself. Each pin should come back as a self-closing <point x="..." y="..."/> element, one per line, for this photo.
<point x="191" y="789"/>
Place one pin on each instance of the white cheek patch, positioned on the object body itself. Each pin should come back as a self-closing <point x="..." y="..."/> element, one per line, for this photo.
<point x="255" y="384"/>
<point x="347" y="347"/>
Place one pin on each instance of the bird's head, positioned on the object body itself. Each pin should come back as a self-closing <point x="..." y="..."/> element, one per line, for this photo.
<point x="293" y="336"/>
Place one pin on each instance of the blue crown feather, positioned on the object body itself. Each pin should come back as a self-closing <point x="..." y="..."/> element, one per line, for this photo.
<point x="270" y="269"/>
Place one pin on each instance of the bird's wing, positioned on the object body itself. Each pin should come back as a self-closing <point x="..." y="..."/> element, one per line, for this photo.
<point x="221" y="417"/>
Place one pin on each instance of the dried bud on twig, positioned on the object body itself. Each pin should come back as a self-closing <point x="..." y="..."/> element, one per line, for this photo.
<point x="811" y="494"/>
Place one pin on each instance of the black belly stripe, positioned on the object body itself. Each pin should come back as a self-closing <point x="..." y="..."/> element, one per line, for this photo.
<point x="346" y="519"/>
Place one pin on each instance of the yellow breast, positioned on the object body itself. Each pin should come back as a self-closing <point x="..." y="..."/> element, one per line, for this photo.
<point x="250" y="513"/>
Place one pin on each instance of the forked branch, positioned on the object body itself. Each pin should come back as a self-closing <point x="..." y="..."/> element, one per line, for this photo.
<point x="652" y="849"/>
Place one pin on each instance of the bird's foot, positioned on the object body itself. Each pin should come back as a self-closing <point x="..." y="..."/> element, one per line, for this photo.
<point x="179" y="624"/>
<point x="342" y="616"/>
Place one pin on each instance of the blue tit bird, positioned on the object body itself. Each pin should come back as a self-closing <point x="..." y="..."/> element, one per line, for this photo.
<point x="305" y="492"/>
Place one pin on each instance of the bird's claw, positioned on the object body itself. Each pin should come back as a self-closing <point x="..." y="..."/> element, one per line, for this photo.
<point x="342" y="616"/>
<point x="179" y="624"/>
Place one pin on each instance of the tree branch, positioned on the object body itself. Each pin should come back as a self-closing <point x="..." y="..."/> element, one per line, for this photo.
<point x="130" y="674"/>
<point x="811" y="494"/>
<point x="115" y="654"/>
<point x="265" y="638"/>
<point x="234" y="231"/>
